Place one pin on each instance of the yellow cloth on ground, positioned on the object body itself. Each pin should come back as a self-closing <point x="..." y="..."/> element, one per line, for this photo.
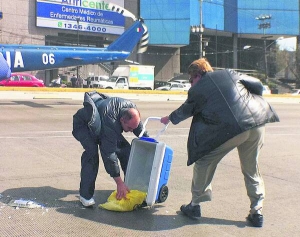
<point x="133" y="198"/>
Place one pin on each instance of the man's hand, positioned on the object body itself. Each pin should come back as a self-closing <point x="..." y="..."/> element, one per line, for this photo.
<point x="122" y="189"/>
<point x="165" y="120"/>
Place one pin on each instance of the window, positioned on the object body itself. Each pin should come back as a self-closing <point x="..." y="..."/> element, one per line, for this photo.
<point x="15" y="78"/>
<point x="26" y="78"/>
<point x="121" y="80"/>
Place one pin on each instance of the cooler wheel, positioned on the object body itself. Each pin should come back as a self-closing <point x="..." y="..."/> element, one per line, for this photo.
<point x="163" y="194"/>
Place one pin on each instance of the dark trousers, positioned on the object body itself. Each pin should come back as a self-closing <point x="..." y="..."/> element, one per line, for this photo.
<point x="90" y="162"/>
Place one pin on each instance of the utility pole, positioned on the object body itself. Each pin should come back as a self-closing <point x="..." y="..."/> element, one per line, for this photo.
<point x="198" y="29"/>
<point x="201" y="31"/>
<point x="264" y="25"/>
<point x="77" y="68"/>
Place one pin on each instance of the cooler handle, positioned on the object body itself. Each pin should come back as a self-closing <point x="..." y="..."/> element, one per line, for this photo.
<point x="160" y="132"/>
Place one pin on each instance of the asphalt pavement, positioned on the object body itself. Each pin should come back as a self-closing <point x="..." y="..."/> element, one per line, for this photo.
<point x="40" y="161"/>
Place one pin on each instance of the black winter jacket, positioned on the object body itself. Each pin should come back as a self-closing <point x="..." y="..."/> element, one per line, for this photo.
<point x="223" y="104"/>
<point x="101" y="118"/>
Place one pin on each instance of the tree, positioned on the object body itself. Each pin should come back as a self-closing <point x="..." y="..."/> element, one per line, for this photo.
<point x="287" y="66"/>
<point x="297" y="64"/>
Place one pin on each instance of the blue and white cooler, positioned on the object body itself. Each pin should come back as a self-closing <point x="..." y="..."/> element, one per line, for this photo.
<point x="149" y="166"/>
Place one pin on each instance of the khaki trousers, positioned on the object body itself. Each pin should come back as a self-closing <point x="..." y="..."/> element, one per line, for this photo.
<point x="248" y="144"/>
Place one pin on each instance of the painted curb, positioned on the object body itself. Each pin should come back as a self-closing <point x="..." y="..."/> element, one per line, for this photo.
<point x="53" y="89"/>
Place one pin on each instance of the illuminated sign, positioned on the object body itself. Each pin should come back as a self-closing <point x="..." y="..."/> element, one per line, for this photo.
<point x="83" y="15"/>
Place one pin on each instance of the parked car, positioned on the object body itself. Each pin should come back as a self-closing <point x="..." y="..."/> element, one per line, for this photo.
<point x="266" y="90"/>
<point x="22" y="79"/>
<point x="183" y="76"/>
<point x="185" y="83"/>
<point x="159" y="84"/>
<point x="172" y="86"/>
<point x="295" y="92"/>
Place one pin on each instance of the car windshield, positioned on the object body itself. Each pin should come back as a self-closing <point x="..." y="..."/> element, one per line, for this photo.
<point x="112" y="79"/>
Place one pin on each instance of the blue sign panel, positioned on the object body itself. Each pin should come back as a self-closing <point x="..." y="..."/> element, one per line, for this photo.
<point x="82" y="15"/>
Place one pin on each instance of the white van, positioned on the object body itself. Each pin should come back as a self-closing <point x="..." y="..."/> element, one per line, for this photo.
<point x="94" y="81"/>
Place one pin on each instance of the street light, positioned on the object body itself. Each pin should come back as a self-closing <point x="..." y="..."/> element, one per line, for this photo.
<point x="201" y="30"/>
<point x="77" y="68"/>
<point x="264" y="25"/>
<point x="198" y="29"/>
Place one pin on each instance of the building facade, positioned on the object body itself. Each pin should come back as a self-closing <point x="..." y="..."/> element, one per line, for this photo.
<point x="229" y="28"/>
<point x="226" y="28"/>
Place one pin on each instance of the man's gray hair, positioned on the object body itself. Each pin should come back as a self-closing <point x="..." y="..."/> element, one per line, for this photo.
<point x="127" y="114"/>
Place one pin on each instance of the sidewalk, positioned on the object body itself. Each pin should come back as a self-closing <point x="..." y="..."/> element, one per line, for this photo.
<point x="78" y="94"/>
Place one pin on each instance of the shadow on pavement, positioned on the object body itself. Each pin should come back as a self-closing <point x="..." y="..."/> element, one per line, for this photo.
<point x="146" y="219"/>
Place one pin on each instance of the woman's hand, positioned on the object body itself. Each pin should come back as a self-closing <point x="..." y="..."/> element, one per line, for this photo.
<point x="165" y="120"/>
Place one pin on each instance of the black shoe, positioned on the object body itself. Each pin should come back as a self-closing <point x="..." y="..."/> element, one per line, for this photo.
<point x="193" y="212"/>
<point x="256" y="220"/>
